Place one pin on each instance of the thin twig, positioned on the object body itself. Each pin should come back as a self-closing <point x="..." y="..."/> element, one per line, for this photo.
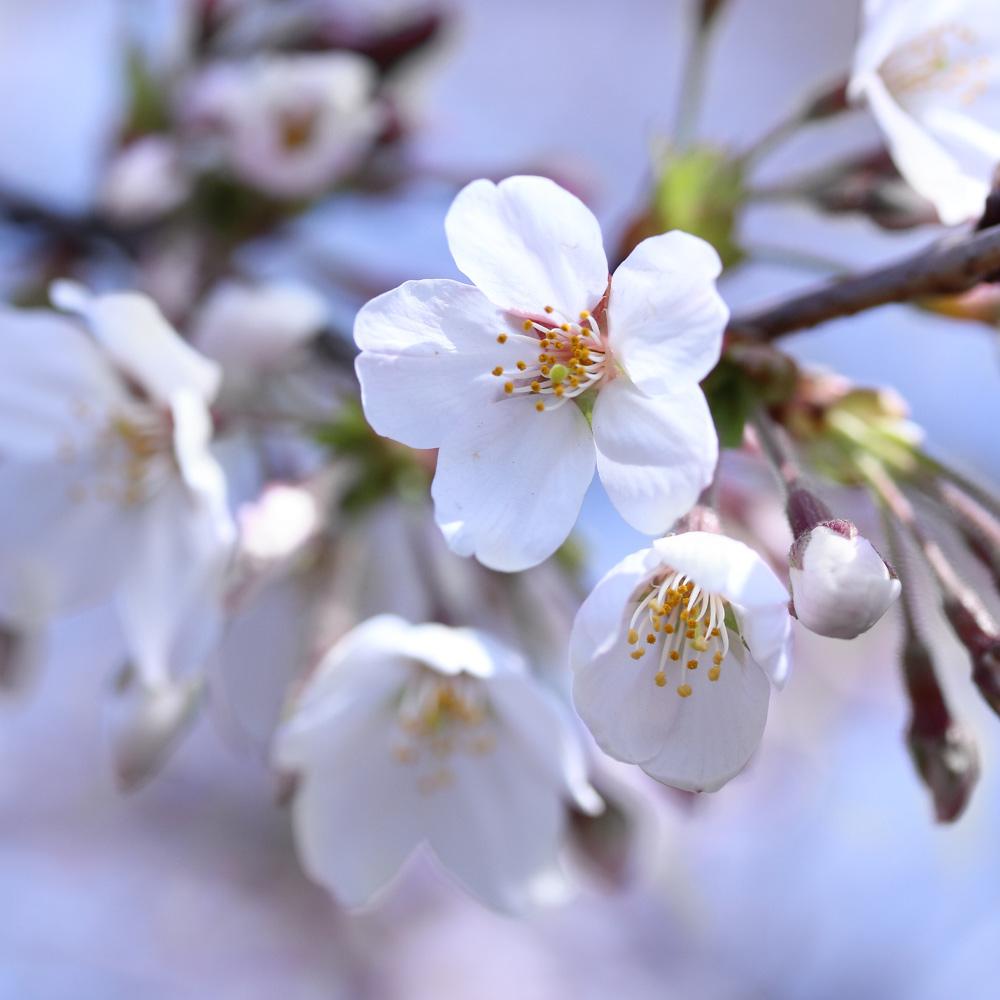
<point x="949" y="267"/>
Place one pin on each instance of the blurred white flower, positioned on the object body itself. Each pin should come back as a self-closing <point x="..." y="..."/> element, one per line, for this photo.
<point x="841" y="586"/>
<point x="290" y="124"/>
<point x="515" y="459"/>
<point x="107" y="483"/>
<point x="673" y="655"/>
<point x="930" y="72"/>
<point x="254" y="328"/>
<point x="424" y="734"/>
<point x="278" y="522"/>
<point x="145" y="180"/>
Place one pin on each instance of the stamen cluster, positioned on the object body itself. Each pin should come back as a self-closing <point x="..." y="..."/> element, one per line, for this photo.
<point x="680" y="622"/>
<point x="571" y="360"/>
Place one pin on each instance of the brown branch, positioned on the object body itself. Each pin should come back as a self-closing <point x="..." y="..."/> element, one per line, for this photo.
<point x="949" y="267"/>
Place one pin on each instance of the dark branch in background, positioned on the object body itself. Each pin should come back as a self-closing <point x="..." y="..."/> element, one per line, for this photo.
<point x="950" y="267"/>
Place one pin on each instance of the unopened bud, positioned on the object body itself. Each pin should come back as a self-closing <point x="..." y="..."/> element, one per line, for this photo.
<point x="841" y="586"/>
<point x="144" y="724"/>
<point x="944" y="752"/>
<point x="980" y="635"/>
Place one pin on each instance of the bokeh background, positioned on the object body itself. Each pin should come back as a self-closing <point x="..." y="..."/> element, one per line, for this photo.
<point x="818" y="873"/>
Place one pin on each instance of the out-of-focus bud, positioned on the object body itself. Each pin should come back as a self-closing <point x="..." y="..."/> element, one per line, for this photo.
<point x="19" y="655"/>
<point x="944" y="753"/>
<point x="144" y="181"/>
<point x="144" y="724"/>
<point x="698" y="191"/>
<point x="840" y="584"/>
<point x="707" y="10"/>
<point x="978" y="632"/>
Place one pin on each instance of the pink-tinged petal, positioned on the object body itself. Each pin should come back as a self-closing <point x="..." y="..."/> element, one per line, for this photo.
<point x="733" y="570"/>
<point x="427" y="351"/>
<point x="510" y="481"/>
<point x="654" y="456"/>
<point x="665" y="316"/>
<point x="599" y="620"/>
<point x="358" y="812"/>
<point x="140" y="342"/>
<point x="715" y="731"/>
<point x="527" y="243"/>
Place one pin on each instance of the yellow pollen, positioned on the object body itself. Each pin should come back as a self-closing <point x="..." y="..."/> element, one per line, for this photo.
<point x="633" y="636"/>
<point x="564" y="327"/>
<point x="668" y="628"/>
<point x="651" y="638"/>
<point x="548" y="309"/>
<point x="508" y="387"/>
<point x="521" y="365"/>
<point x="501" y="338"/>
<point x="684" y="690"/>
<point x="713" y="673"/>
<point x="540" y="406"/>
<point x="692" y="664"/>
<point x="674" y="655"/>
<point x="584" y="314"/>
<point x="527" y="325"/>
<point x="660" y="678"/>
<point x="498" y="370"/>
<point x="536" y="386"/>
<point x="637" y="654"/>
<point x="717" y="659"/>
<point x="558" y="390"/>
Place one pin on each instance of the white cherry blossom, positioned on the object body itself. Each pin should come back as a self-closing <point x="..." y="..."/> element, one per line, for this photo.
<point x="930" y="72"/>
<point x="541" y="370"/>
<point x="411" y="735"/>
<point x="674" y="654"/>
<point x="107" y="484"/>
<point x="289" y="124"/>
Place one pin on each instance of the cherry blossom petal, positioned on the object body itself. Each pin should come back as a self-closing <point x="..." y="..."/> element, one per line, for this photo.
<point x="665" y="317"/>
<point x="497" y="826"/>
<point x="733" y="570"/>
<point x="536" y="722"/>
<point x="358" y="818"/>
<point x="137" y="338"/>
<point x="427" y="351"/>
<point x="654" y="456"/>
<point x="510" y="481"/>
<point x="527" y="244"/>
<point x="714" y="732"/>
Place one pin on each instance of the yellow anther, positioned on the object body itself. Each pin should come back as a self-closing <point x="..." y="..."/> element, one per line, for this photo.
<point x="584" y="314"/>
<point x="536" y="386"/>
<point x="689" y="634"/>
<point x="692" y="664"/>
<point x="651" y="638"/>
<point x="508" y="387"/>
<point x="540" y="406"/>
<point x="668" y="628"/>
<point x="564" y="327"/>
<point x="558" y="390"/>
<point x="498" y="370"/>
<point x="521" y="365"/>
<point x="545" y="370"/>
<point x="549" y="309"/>
<point x="674" y="655"/>
<point x="715" y="633"/>
<point x="713" y="673"/>
<point x="501" y="338"/>
<point x="660" y="678"/>
<point x="718" y="657"/>
<point x="633" y="636"/>
<point x="684" y="690"/>
<point x="637" y="654"/>
<point x="527" y="325"/>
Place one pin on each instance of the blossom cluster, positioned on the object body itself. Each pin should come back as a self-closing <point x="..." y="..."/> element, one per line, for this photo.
<point x="346" y="513"/>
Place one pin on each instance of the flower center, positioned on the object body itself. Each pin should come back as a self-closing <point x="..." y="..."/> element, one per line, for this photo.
<point x="145" y="443"/>
<point x="939" y="60"/>
<point x="297" y="128"/>
<point x="572" y="358"/>
<point x="438" y="718"/>
<point x="683" y="626"/>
